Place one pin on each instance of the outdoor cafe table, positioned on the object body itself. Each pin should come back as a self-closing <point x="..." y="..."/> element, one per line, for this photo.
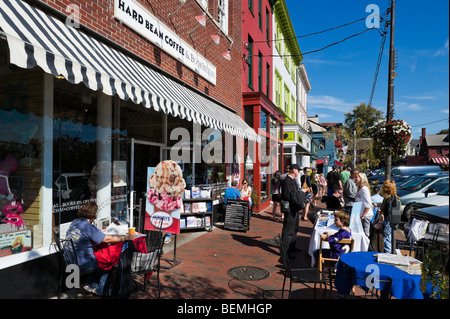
<point x="361" y="242"/>
<point x="354" y="268"/>
<point x="108" y="255"/>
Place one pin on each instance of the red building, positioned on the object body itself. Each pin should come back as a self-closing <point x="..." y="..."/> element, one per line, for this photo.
<point x="433" y="150"/>
<point x="260" y="113"/>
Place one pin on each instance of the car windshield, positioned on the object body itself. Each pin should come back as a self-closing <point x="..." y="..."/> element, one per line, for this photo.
<point x="444" y="192"/>
<point x="417" y="184"/>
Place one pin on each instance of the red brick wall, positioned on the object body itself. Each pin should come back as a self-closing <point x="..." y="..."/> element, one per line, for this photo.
<point x="99" y="16"/>
<point x="250" y="27"/>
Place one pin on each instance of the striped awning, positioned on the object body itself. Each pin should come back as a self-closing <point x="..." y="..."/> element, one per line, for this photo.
<point x="441" y="160"/>
<point x="37" y="39"/>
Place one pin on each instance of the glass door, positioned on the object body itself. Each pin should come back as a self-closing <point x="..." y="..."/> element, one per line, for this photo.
<point x="143" y="155"/>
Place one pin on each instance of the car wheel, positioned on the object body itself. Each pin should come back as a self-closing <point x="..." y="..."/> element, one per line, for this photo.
<point x="407" y="212"/>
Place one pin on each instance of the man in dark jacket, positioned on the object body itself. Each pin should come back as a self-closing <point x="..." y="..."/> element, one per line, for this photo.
<point x="291" y="219"/>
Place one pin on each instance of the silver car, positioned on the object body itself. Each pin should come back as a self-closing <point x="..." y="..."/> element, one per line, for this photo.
<point x="420" y="188"/>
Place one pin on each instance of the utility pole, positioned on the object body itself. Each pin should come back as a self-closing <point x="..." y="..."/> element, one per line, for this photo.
<point x="390" y="99"/>
<point x="390" y="112"/>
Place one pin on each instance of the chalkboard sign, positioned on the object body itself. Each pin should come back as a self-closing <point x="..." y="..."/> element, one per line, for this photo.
<point x="236" y="215"/>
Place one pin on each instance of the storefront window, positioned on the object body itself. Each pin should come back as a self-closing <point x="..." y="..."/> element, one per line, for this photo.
<point x="264" y="121"/>
<point x="21" y="154"/>
<point x="90" y="154"/>
<point x="273" y="126"/>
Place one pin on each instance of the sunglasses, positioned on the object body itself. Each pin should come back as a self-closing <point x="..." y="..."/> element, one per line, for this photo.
<point x="13" y="219"/>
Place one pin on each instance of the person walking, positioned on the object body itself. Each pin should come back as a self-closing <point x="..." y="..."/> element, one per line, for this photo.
<point x="305" y="181"/>
<point x="314" y="186"/>
<point x="275" y="185"/>
<point x="345" y="174"/>
<point x="322" y="186"/>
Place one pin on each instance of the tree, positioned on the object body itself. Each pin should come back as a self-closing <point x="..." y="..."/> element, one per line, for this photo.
<point x="357" y="124"/>
<point x="362" y="117"/>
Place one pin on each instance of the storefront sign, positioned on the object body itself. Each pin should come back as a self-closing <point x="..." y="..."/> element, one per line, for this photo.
<point x="140" y="20"/>
<point x="289" y="136"/>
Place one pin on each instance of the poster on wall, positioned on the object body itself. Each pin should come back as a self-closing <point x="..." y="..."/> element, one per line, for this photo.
<point x="164" y="203"/>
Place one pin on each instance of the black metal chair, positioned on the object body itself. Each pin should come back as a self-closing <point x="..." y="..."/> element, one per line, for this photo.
<point x="150" y="262"/>
<point x="66" y="256"/>
<point x="299" y="275"/>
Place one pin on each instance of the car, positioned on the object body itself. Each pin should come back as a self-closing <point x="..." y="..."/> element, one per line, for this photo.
<point x="398" y="173"/>
<point x="400" y="180"/>
<point x="420" y="188"/>
<point x="440" y="199"/>
<point x="67" y="182"/>
<point x="437" y="229"/>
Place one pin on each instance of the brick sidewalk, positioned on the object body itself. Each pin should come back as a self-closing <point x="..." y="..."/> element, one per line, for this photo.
<point x="202" y="272"/>
<point x="205" y="260"/>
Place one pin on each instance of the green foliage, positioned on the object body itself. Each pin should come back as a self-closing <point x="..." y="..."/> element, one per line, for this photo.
<point x="361" y="118"/>
<point x="434" y="273"/>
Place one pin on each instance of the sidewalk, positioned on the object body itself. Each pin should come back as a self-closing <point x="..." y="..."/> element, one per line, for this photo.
<point x="205" y="260"/>
<point x="206" y="257"/>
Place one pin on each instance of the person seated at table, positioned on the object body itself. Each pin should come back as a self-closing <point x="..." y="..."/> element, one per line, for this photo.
<point x="85" y="236"/>
<point x="341" y="221"/>
<point x="232" y="192"/>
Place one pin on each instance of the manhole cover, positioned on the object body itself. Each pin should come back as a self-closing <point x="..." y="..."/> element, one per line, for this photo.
<point x="248" y="273"/>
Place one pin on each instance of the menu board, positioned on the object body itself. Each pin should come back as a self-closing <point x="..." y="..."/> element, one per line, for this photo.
<point x="236" y="215"/>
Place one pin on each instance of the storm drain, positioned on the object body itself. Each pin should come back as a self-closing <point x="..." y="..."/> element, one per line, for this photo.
<point x="248" y="273"/>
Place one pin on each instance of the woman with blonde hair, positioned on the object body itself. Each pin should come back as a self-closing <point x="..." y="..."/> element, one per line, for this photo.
<point x="363" y="196"/>
<point x="389" y="192"/>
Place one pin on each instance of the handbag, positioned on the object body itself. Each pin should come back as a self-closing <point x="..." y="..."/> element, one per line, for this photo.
<point x="285" y="208"/>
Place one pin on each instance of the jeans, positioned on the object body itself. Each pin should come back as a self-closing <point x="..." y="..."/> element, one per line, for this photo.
<point x="387" y="232"/>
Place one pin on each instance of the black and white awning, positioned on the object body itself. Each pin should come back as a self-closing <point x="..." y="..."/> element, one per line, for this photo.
<point x="35" y="38"/>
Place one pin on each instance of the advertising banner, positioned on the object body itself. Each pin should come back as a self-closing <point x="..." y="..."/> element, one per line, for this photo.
<point x="164" y="203"/>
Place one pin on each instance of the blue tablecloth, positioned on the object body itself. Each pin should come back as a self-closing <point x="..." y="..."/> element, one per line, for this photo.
<point x="363" y="265"/>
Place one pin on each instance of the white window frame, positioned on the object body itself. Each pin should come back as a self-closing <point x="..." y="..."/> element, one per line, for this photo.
<point x="222" y="14"/>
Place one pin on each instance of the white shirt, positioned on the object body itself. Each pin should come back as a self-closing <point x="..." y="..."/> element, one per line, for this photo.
<point x="363" y="196"/>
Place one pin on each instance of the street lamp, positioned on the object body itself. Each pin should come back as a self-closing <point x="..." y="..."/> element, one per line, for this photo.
<point x="354" y="146"/>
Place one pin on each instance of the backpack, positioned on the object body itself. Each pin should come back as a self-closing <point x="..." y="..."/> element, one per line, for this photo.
<point x="118" y="285"/>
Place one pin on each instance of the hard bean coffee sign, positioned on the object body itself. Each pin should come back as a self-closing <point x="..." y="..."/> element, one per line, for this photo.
<point x="137" y="18"/>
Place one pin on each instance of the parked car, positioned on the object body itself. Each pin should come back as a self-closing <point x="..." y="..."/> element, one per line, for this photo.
<point x="440" y="199"/>
<point x="420" y="188"/>
<point x="67" y="183"/>
<point x="437" y="229"/>
<point x="400" y="180"/>
<point x="399" y="173"/>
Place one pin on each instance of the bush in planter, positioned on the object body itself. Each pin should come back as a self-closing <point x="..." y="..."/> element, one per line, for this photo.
<point x="435" y="272"/>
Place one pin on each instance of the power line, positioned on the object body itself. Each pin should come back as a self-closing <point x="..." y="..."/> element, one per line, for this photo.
<point x="430" y="122"/>
<point x="314" y="33"/>
<point x="380" y="55"/>
<point x="314" y="51"/>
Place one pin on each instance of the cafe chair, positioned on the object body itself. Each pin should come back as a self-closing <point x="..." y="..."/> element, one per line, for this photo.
<point x="147" y="264"/>
<point x="300" y="275"/>
<point x="118" y="283"/>
<point x="66" y="255"/>
<point x="324" y="262"/>
<point x="348" y="286"/>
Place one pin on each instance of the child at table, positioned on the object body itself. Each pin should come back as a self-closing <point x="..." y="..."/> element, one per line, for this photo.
<point x="342" y="221"/>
